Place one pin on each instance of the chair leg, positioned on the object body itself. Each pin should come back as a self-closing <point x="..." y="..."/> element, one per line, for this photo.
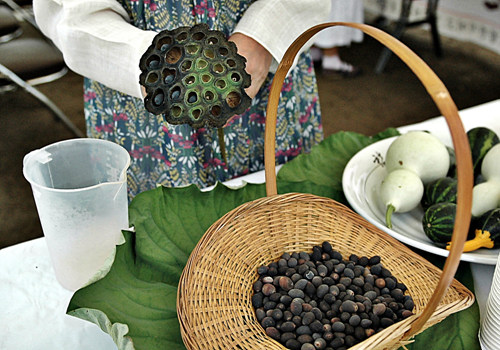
<point x="432" y="19"/>
<point x="397" y="33"/>
<point x="42" y="98"/>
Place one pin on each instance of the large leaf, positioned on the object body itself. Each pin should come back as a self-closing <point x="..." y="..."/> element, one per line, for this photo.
<point x="140" y="288"/>
<point x="457" y="331"/>
<point x="326" y="161"/>
<point x="136" y="301"/>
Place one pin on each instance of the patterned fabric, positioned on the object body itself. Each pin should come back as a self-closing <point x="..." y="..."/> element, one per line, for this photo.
<point x="177" y="155"/>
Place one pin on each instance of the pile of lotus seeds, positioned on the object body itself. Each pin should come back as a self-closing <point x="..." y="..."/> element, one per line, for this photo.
<point x="321" y="300"/>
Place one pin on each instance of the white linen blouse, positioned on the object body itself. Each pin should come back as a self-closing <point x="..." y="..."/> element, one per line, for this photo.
<point x="99" y="42"/>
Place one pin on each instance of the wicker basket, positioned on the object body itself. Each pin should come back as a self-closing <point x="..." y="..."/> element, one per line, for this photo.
<point x="214" y="296"/>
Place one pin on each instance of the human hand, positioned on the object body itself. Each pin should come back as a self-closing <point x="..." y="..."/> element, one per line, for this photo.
<point x="258" y="61"/>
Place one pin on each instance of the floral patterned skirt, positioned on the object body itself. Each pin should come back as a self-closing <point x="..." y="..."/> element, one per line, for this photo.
<point x="178" y="155"/>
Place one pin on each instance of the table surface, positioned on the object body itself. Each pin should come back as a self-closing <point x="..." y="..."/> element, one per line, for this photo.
<point x="34" y="305"/>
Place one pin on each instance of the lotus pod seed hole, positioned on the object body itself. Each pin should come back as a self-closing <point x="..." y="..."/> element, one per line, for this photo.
<point x="186" y="65"/>
<point x="192" y="97"/>
<point x="235" y="77"/>
<point x="209" y="95"/>
<point x="176" y="111"/>
<point x="231" y="63"/>
<point x="190" y="79"/>
<point x="175" y="92"/>
<point x="212" y="41"/>
<point x="216" y="110"/>
<point x="223" y="51"/>
<point x="201" y="64"/>
<point x="182" y="36"/>
<point x="173" y="55"/>
<point x="218" y="68"/>
<point x="233" y="99"/>
<point x="206" y="78"/>
<point x="153" y="62"/>
<point x="192" y="49"/>
<point x="196" y="113"/>
<point x="209" y="53"/>
<point x="221" y="84"/>
<point x="164" y="43"/>
<point x="152" y="78"/>
<point x="158" y="98"/>
<point x="168" y="75"/>
<point x="198" y="36"/>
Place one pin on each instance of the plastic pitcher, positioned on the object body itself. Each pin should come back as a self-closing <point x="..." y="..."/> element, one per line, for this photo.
<point x="80" y="191"/>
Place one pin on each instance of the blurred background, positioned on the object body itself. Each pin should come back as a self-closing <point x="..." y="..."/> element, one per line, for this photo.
<point x="371" y="102"/>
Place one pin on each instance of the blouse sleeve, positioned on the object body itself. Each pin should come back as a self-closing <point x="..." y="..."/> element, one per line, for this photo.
<point x="99" y="42"/>
<point x="96" y="39"/>
<point x="275" y="24"/>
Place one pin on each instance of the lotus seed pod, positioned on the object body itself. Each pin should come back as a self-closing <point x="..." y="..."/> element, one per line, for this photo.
<point x="194" y="75"/>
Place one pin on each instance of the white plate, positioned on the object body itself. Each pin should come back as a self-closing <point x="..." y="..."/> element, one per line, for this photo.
<point x="360" y="181"/>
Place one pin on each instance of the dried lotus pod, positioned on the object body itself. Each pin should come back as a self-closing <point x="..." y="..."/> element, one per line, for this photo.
<point x="194" y="75"/>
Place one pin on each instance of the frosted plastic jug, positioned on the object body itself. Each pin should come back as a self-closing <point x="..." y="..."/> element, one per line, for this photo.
<point x="80" y="191"/>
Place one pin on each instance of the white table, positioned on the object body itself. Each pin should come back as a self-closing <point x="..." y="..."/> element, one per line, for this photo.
<point x="33" y="305"/>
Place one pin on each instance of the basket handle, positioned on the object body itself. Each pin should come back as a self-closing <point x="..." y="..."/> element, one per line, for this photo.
<point x="446" y="106"/>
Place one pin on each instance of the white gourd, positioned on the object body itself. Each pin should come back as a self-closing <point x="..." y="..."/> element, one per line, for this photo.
<point x="420" y="152"/>
<point x="401" y="190"/>
<point x="486" y="195"/>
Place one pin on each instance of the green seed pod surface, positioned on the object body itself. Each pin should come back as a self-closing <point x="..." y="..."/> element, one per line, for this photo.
<point x="194" y="75"/>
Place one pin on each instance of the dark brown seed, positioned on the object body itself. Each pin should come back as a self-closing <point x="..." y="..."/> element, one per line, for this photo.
<point x="322" y="290"/>
<point x="349" y="306"/>
<point x="317" y="281"/>
<point x="268" y="322"/>
<point x="288" y="326"/>
<point x="350" y="340"/>
<point x="386" y="322"/>
<point x="296" y="293"/>
<point x="337" y="342"/>
<point x="359" y="333"/>
<point x="316" y="254"/>
<point x="406" y="313"/>
<point x="366" y="323"/>
<point x="268" y="279"/>
<point x="307" y="318"/>
<point x="296" y="306"/>
<point x="397" y="294"/>
<point x="285" y="283"/>
<point x="268" y="289"/>
<point x="306" y="307"/>
<point x="379" y="309"/>
<point x="316" y="326"/>
<point x="338" y="326"/>
<point x="257" y="300"/>
<point x="292" y="262"/>
<point x="257" y="286"/>
<point x="380" y="282"/>
<point x="273" y="333"/>
<point x="369" y="332"/>
<point x="319" y="343"/>
<point x="277" y="314"/>
<point x="307" y="346"/>
<point x="310" y="289"/>
<point x="354" y="320"/>
<point x="327" y="247"/>
<point x="293" y="344"/>
<point x="286" y="336"/>
<point x="303" y="330"/>
<point x="328" y="336"/>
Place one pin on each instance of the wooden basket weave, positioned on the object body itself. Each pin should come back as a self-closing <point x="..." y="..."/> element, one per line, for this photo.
<point x="214" y="296"/>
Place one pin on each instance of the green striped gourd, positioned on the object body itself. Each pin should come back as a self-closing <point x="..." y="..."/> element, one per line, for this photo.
<point x="438" y="222"/>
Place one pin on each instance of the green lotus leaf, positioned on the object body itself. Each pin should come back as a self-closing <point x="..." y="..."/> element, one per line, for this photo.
<point x="136" y="301"/>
